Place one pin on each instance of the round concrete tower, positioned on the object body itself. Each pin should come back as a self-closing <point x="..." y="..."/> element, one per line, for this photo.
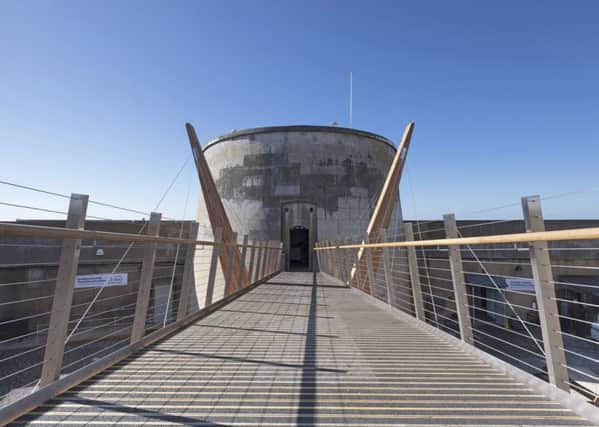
<point x="298" y="184"/>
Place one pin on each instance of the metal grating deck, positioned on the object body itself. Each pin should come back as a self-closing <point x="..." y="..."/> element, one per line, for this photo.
<point x="287" y="353"/>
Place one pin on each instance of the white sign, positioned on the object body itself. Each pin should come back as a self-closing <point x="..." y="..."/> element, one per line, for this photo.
<point x="525" y="285"/>
<point x="100" y="280"/>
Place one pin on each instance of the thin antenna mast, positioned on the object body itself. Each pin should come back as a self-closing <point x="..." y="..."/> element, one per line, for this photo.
<point x="350" y="97"/>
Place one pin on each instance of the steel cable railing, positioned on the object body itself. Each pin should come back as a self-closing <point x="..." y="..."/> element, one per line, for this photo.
<point x="102" y="318"/>
<point x="499" y="281"/>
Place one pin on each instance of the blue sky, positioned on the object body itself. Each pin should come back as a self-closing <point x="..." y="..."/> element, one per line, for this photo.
<point x="94" y="95"/>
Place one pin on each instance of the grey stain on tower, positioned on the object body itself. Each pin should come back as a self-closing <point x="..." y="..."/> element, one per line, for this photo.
<point x="272" y="179"/>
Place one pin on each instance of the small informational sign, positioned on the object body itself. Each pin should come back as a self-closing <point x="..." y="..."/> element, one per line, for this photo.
<point x="100" y="280"/>
<point x="524" y="285"/>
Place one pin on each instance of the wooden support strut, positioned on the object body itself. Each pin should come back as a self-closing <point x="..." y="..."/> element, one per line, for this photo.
<point x="253" y="251"/>
<point x="260" y="250"/>
<point x="243" y="257"/>
<point x="63" y="293"/>
<point x="459" y="283"/>
<point x="188" y="275"/>
<point x="229" y="278"/>
<point x="387" y="266"/>
<point x="414" y="274"/>
<point x="145" y="281"/>
<point x="381" y="217"/>
<point x="216" y="249"/>
<point x="370" y="271"/>
<point x="540" y="261"/>
<point x="216" y="210"/>
<point x="265" y="259"/>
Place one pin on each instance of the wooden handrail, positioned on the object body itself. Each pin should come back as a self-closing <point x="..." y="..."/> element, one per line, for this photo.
<point x="589" y="233"/>
<point x="24" y="230"/>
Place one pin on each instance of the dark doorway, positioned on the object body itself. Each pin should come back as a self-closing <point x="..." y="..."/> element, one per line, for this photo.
<point x="299" y="249"/>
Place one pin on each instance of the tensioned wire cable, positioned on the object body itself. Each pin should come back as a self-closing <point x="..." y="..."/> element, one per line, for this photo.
<point x="503" y="295"/>
<point x="428" y="279"/>
<point x="168" y="189"/>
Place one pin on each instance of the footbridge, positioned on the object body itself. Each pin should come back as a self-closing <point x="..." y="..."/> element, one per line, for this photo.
<point x="163" y="322"/>
<point x="290" y="352"/>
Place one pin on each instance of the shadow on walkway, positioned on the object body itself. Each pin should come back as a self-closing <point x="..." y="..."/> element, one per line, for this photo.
<point x="310" y="365"/>
<point x="141" y="412"/>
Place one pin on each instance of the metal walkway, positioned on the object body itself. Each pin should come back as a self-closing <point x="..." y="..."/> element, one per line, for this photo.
<point x="287" y="353"/>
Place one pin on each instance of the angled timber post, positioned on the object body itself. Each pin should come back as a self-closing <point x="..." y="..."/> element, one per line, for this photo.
<point x="214" y="206"/>
<point x="383" y="210"/>
<point x="240" y="282"/>
<point x="145" y="281"/>
<point x="370" y="272"/>
<point x="545" y="293"/>
<point x="414" y="274"/>
<point x="459" y="283"/>
<point x="188" y="274"/>
<point x="229" y="278"/>
<point x="216" y="250"/>
<point x="63" y="293"/>
<point x="252" y="260"/>
<point x="386" y="265"/>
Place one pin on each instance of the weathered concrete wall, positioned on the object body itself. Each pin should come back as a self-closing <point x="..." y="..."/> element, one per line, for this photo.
<point x="340" y="170"/>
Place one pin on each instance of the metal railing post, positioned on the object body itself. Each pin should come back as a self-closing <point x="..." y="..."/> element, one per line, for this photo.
<point x="414" y="274"/>
<point x="145" y="281"/>
<point x="63" y="293"/>
<point x="343" y="264"/>
<point x="218" y="234"/>
<point x="545" y="292"/>
<point x="369" y="265"/>
<point x="231" y="249"/>
<point x="242" y="263"/>
<point x="188" y="274"/>
<point x="459" y="283"/>
<point x="386" y="265"/>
